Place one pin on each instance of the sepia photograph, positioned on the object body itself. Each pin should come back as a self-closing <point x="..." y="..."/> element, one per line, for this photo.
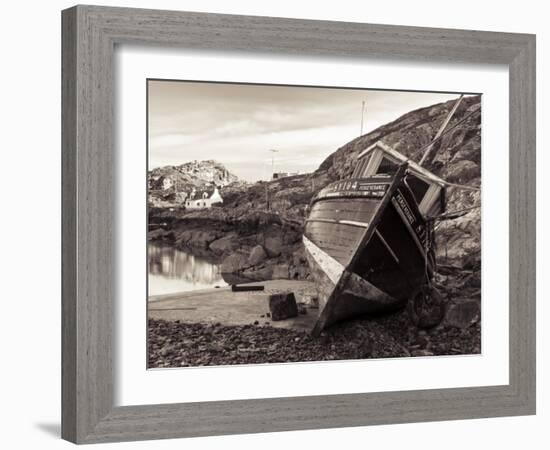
<point x="291" y="224"/>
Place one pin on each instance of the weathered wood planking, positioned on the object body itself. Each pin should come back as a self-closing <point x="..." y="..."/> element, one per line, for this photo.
<point x="360" y="210"/>
<point x="338" y="240"/>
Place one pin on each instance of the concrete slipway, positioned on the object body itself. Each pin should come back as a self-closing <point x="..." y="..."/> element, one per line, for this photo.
<point x="223" y="306"/>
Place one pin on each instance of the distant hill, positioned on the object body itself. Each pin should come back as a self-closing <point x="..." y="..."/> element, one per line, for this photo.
<point x="194" y="173"/>
<point x="170" y="185"/>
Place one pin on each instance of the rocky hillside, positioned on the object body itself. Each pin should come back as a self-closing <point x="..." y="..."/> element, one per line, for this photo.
<point x="258" y="230"/>
<point x="455" y="158"/>
<point x="170" y="185"/>
<point x="194" y="172"/>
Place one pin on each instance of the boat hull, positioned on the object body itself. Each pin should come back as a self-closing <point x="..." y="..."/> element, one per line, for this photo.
<point x="368" y="252"/>
<point x="355" y="297"/>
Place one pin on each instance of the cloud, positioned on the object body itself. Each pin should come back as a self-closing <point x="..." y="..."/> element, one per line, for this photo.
<point x="238" y="124"/>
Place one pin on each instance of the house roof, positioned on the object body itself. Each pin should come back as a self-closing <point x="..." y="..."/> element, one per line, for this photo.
<point x="199" y="193"/>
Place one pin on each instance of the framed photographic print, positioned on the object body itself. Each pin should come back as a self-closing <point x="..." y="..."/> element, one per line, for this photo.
<point x="277" y="224"/>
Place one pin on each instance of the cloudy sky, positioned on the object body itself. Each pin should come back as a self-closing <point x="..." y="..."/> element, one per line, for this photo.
<point x="237" y="125"/>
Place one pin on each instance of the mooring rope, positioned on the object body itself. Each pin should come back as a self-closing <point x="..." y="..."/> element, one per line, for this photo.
<point x="462" y="186"/>
<point x="454" y="214"/>
<point x="438" y="138"/>
<point x="466" y="117"/>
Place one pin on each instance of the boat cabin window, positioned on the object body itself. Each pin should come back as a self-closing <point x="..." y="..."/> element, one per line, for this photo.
<point x="374" y="163"/>
<point x="418" y="187"/>
<point x="387" y="166"/>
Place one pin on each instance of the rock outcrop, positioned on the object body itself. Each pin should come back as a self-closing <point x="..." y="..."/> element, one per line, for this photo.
<point x="170" y="186"/>
<point x="194" y="172"/>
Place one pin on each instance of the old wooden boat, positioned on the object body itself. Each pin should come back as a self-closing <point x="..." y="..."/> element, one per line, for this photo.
<point x="369" y="239"/>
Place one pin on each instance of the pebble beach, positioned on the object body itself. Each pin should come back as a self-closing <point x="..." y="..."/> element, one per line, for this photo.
<point x="180" y="344"/>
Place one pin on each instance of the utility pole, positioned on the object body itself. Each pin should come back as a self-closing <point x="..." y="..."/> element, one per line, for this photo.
<point x="273" y="151"/>
<point x="362" y="116"/>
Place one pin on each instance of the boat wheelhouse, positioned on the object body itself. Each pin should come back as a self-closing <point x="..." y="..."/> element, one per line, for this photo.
<point x="428" y="189"/>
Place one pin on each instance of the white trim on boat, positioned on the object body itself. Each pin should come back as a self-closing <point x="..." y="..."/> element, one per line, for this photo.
<point x="332" y="268"/>
<point x="354" y="223"/>
<point x="322" y="220"/>
<point x="387" y="245"/>
<point x="343" y="222"/>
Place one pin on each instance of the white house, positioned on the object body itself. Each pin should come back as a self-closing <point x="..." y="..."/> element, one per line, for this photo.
<point x="279" y="175"/>
<point x="203" y="200"/>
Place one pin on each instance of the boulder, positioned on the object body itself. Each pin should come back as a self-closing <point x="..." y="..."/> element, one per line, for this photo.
<point x="195" y="238"/>
<point x="280" y="272"/>
<point x="458" y="241"/>
<point x="462" y="171"/>
<point x="301" y="272"/>
<point x="234" y="263"/>
<point x="474" y="280"/>
<point x="257" y="255"/>
<point x="463" y="314"/>
<point x="202" y="239"/>
<point x="299" y="256"/>
<point x="283" y="306"/>
<point x="291" y="236"/>
<point x="273" y="245"/>
<point x="159" y="233"/>
<point x="225" y="244"/>
<point x="258" y="273"/>
<point x="183" y="238"/>
<point x="310" y="300"/>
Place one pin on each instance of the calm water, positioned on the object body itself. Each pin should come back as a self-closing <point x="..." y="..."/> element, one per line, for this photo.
<point x="172" y="270"/>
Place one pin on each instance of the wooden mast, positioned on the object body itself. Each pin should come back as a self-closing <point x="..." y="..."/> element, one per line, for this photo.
<point x="441" y="129"/>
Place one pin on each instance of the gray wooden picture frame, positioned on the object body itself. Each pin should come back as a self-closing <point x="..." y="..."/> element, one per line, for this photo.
<point x="90" y="34"/>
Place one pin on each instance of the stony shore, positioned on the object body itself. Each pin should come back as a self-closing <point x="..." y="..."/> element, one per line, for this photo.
<point x="224" y="328"/>
<point x="180" y="344"/>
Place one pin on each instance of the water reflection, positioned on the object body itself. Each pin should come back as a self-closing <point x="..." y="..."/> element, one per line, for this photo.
<point x="172" y="270"/>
